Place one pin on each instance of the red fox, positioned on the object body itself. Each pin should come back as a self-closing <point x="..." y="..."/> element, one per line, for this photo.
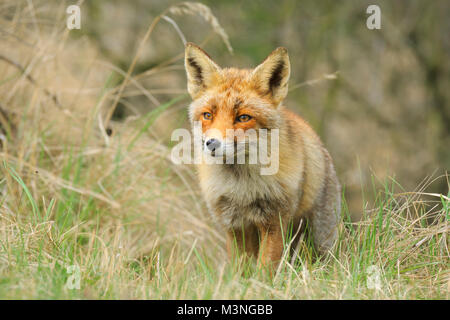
<point x="257" y="209"/>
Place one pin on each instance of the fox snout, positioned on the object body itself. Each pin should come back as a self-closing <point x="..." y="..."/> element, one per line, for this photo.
<point x="212" y="144"/>
<point x="215" y="146"/>
<point x="219" y="147"/>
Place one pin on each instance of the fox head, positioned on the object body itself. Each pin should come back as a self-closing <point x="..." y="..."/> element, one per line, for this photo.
<point x="238" y="99"/>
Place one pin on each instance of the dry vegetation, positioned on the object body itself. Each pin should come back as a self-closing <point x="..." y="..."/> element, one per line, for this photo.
<point x="86" y="180"/>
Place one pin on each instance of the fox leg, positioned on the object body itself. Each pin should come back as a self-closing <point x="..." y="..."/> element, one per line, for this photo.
<point x="271" y="244"/>
<point x="244" y="240"/>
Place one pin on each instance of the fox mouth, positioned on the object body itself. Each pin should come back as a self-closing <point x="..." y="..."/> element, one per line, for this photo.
<point x="214" y="152"/>
<point x="237" y="148"/>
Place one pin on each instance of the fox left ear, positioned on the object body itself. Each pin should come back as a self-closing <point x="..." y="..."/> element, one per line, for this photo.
<point x="202" y="71"/>
<point x="272" y="75"/>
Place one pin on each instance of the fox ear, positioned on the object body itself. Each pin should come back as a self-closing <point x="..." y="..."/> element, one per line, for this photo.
<point x="272" y="75"/>
<point x="201" y="71"/>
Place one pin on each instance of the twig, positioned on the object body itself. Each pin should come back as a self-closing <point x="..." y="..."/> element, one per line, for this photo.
<point x="31" y="79"/>
<point x="330" y="76"/>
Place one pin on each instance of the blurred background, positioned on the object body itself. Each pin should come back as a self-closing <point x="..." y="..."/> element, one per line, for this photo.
<point x="379" y="99"/>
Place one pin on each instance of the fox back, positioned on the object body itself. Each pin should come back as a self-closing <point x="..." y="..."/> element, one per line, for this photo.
<point x="256" y="209"/>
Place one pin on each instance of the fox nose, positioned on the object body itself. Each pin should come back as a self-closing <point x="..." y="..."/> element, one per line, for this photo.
<point x="212" y="144"/>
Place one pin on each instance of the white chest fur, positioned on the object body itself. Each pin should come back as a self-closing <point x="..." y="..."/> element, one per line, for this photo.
<point x="239" y="194"/>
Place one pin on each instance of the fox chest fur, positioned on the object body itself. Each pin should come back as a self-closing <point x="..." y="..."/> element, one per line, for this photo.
<point x="238" y="195"/>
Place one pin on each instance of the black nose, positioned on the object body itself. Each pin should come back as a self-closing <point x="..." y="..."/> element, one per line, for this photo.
<point x="212" y="144"/>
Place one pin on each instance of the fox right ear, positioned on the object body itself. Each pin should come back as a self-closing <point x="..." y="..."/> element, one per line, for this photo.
<point x="272" y="75"/>
<point x="202" y="71"/>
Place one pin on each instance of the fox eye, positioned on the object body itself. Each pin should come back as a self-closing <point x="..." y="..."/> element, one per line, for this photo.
<point x="243" y="118"/>
<point x="207" y="115"/>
